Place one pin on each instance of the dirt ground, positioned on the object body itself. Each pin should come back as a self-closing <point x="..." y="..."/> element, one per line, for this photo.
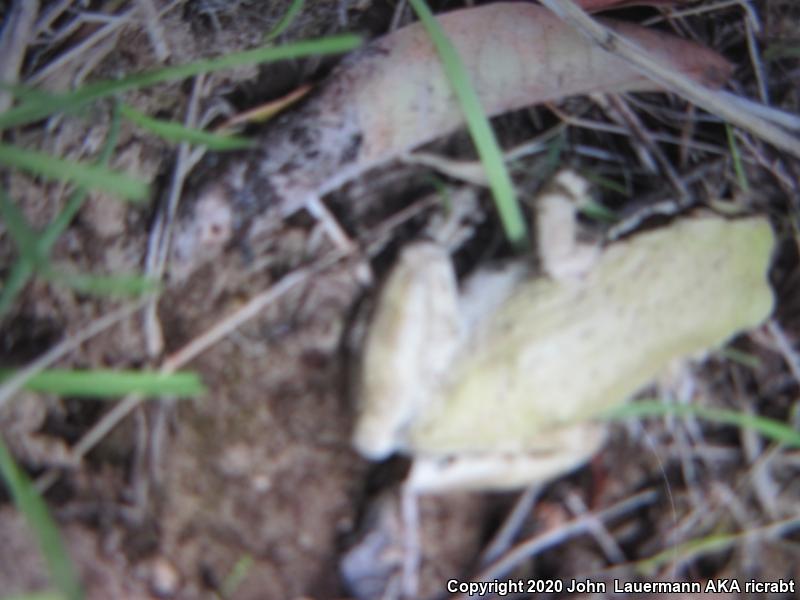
<point x="253" y="490"/>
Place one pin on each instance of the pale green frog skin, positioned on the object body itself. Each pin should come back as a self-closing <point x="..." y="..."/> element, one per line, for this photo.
<point x="495" y="387"/>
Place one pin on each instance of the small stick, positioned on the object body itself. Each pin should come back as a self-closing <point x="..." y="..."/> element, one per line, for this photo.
<point x="576" y="527"/>
<point x="155" y="31"/>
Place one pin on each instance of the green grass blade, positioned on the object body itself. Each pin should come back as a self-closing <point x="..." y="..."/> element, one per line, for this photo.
<point x="89" y="176"/>
<point x="482" y="134"/>
<point x="288" y="18"/>
<point x="555" y="150"/>
<point x="106" y="383"/>
<point x="20" y="273"/>
<point x="18" y="228"/>
<point x="54" y="230"/>
<point x="742" y="358"/>
<point x="26" y="93"/>
<point x="36" y="596"/>
<point x="237" y="575"/>
<point x="44" y="529"/>
<point x="76" y="200"/>
<point x="780" y="50"/>
<point x="104" y="285"/>
<point x="24" y="269"/>
<point x="29" y="112"/>
<point x="770" y="428"/>
<point x="597" y="212"/>
<point x="606" y="183"/>
<point x="175" y="132"/>
<point x="688" y="550"/>
<point x="28" y="246"/>
<point x="738" y="167"/>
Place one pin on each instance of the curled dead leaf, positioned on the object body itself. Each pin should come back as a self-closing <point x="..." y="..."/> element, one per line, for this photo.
<point x="516" y="55"/>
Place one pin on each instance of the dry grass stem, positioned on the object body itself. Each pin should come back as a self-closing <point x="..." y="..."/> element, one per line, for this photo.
<point x="596" y="528"/>
<point x="786" y="348"/>
<point x="14" y="41"/>
<point x="155" y="31"/>
<point x="707" y="7"/>
<point x="51" y="14"/>
<point x="511" y="526"/>
<point x="160" y="236"/>
<point x="86" y="50"/>
<point x="578" y="526"/>
<point x="671" y="80"/>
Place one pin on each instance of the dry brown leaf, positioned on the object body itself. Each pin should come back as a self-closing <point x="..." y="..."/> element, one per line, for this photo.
<point x="516" y="55"/>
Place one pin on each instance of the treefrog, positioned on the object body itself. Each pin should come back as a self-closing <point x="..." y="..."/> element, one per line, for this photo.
<point x="494" y="386"/>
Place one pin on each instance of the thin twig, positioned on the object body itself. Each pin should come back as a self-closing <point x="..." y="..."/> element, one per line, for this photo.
<point x="17" y="34"/>
<point x="159" y="240"/>
<point x="15" y="383"/>
<point x="50" y="15"/>
<point x="76" y="51"/>
<point x="641" y="133"/>
<point x="155" y="31"/>
<point x="777" y="116"/>
<point x="578" y="526"/>
<point x="172" y="363"/>
<point x="100" y="429"/>
<point x="597" y="529"/>
<point x="755" y="60"/>
<point x="95" y="57"/>
<point x="706" y="7"/>
<point x="773" y="165"/>
<point x="655" y="136"/>
<point x="511" y="526"/>
<point x="785" y="347"/>
<point x="400" y="11"/>
<point x="246" y="312"/>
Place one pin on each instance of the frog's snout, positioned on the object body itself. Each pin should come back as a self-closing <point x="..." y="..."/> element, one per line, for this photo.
<point x="201" y="235"/>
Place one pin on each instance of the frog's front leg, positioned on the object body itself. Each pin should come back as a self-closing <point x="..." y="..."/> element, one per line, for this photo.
<point x="563" y="256"/>
<point x="410" y="347"/>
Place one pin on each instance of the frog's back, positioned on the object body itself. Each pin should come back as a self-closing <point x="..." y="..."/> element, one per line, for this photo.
<point x="562" y="352"/>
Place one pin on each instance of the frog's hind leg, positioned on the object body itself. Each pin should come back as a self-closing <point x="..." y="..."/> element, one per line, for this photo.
<point x="555" y="453"/>
<point x="414" y="336"/>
